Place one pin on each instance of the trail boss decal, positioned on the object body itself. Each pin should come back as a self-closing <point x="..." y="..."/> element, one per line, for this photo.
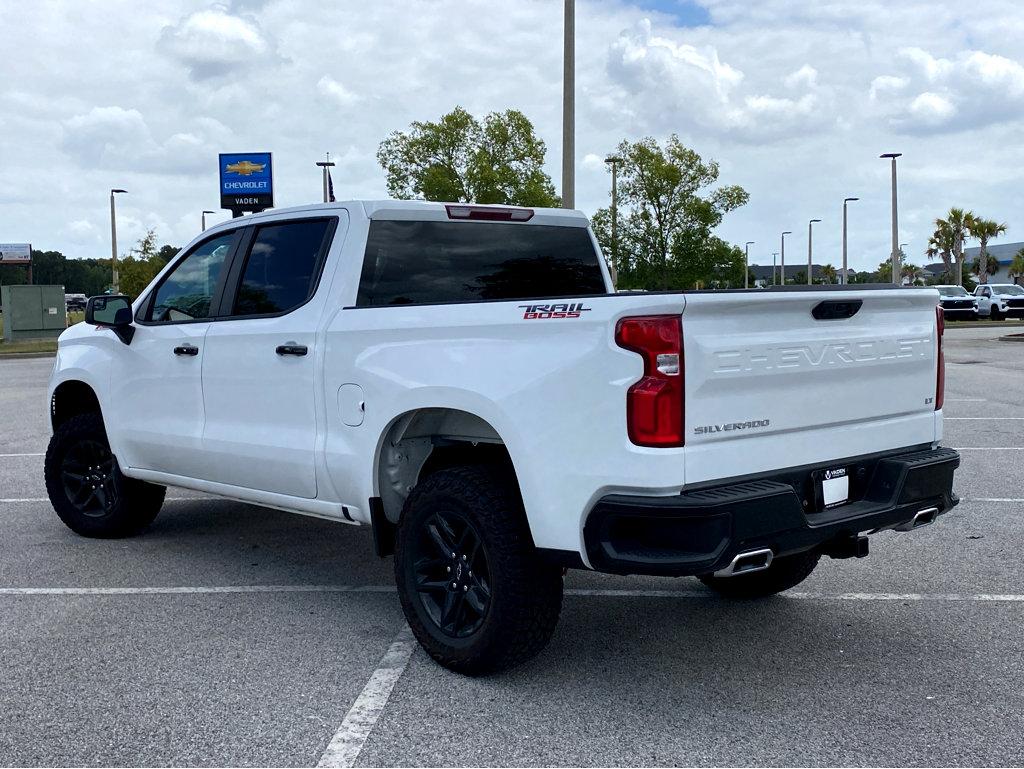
<point x="552" y="311"/>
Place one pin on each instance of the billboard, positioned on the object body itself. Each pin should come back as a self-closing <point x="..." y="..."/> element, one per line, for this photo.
<point x="246" y="181"/>
<point x="15" y="253"/>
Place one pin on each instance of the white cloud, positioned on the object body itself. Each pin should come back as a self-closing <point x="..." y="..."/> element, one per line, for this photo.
<point x="795" y="101"/>
<point x="214" y="42"/>
<point x="330" y="87"/>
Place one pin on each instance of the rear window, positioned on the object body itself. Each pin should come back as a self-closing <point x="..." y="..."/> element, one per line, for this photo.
<point x="433" y="262"/>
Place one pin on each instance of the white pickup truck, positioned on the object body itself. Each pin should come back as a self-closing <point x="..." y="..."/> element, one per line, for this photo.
<point x="464" y="380"/>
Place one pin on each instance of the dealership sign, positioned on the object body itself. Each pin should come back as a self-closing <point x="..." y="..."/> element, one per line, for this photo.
<point x="15" y="253"/>
<point x="246" y="181"/>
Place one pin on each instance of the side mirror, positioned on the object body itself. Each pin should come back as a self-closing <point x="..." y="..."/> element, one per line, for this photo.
<point x="113" y="312"/>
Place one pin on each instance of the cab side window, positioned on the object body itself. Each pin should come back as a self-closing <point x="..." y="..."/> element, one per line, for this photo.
<point x="187" y="292"/>
<point x="282" y="267"/>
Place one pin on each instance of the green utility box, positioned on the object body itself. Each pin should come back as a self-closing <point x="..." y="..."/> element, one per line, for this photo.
<point x="33" y="312"/>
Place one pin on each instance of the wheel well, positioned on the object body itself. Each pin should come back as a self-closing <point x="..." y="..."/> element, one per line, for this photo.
<point x="425" y="441"/>
<point x="70" y="399"/>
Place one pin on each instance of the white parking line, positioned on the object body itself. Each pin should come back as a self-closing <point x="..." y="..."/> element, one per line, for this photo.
<point x="983" y="419"/>
<point x="40" y="454"/>
<point x="992" y="499"/>
<point x="584" y="592"/>
<point x="989" y="448"/>
<point x="13" y="500"/>
<point x="965" y="400"/>
<point x="191" y="590"/>
<point x="348" y="741"/>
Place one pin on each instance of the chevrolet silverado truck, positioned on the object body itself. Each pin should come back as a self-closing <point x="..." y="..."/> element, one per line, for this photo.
<point x="465" y="381"/>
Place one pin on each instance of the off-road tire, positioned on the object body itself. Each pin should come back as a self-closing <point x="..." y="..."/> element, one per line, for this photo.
<point x="127" y="505"/>
<point x="524" y="595"/>
<point x="784" y="573"/>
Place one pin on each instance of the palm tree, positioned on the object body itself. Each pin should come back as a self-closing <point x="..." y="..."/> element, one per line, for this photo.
<point x="828" y="272"/>
<point x="949" y="237"/>
<point x="984" y="230"/>
<point x="910" y="272"/>
<point x="1017" y="265"/>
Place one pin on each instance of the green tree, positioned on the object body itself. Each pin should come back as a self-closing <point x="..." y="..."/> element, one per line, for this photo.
<point x="948" y="239"/>
<point x="140" y="266"/>
<point x="462" y="160"/>
<point x="1017" y="265"/>
<point x="666" y="217"/>
<point x="884" y="272"/>
<point x="984" y="230"/>
<point x="828" y="272"/>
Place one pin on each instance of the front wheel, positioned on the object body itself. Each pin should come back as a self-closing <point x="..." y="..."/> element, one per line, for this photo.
<point x="474" y="591"/>
<point x="86" y="487"/>
<point x="784" y="573"/>
<point x="994" y="313"/>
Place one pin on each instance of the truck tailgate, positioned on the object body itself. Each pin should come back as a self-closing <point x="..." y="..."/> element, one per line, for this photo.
<point x="770" y="385"/>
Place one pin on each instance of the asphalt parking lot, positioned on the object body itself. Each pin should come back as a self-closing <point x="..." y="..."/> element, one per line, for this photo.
<point x="233" y="635"/>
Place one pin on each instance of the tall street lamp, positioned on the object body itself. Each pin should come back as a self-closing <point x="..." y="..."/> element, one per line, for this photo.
<point x="746" y="263"/>
<point x="113" y="238"/>
<point x="613" y="161"/>
<point x="204" y="218"/>
<point x="569" y="106"/>
<point x="782" y="259"/>
<point x="895" y="226"/>
<point x="775" y="259"/>
<point x="810" y="236"/>
<point x="325" y="165"/>
<point x="845" y="201"/>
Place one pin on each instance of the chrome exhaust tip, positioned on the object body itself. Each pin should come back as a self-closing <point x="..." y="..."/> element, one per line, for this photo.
<point x="745" y="563"/>
<point x="921" y="518"/>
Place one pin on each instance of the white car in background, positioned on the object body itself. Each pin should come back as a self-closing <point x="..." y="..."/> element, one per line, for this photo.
<point x="957" y="304"/>
<point x="1000" y="300"/>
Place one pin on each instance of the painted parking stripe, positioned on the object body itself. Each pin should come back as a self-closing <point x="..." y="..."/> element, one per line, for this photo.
<point x="583" y="592"/>
<point x="13" y="500"/>
<point x="197" y="590"/>
<point x="965" y="400"/>
<point x="983" y="419"/>
<point x="346" y="744"/>
<point x="989" y="448"/>
<point x="40" y="454"/>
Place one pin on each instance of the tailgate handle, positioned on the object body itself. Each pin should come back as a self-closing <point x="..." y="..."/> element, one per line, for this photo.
<point x="836" y="309"/>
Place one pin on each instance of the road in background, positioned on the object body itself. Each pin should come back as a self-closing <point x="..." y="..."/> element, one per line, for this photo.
<point x="912" y="656"/>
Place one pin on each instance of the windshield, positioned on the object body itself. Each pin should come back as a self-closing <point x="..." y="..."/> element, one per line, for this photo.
<point x="952" y="291"/>
<point x="1009" y="289"/>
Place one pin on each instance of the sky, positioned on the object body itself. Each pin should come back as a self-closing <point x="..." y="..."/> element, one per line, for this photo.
<point x="794" y="100"/>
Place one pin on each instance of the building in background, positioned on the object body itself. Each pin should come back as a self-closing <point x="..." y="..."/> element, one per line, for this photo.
<point x="1004" y="253"/>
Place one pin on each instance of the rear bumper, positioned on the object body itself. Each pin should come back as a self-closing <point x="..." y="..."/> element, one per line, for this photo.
<point x="701" y="531"/>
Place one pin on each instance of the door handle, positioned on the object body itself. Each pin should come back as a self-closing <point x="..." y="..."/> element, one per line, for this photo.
<point x="186" y="349"/>
<point x="292" y="349"/>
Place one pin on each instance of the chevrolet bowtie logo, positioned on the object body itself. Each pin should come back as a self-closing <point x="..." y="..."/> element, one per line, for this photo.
<point x="244" y="168"/>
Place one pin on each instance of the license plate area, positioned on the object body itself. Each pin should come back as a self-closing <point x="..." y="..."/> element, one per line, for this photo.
<point x="832" y="487"/>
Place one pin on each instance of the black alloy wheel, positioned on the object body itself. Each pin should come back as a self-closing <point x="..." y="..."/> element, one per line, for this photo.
<point x="87" y="474"/>
<point x="451" y="574"/>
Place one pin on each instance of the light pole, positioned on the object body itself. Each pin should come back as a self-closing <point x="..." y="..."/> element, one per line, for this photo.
<point x="902" y="256"/>
<point x="569" y="106"/>
<point x="746" y="263"/>
<point x="810" y="236"/>
<point x="204" y="218"/>
<point x="782" y="259"/>
<point x="113" y="238"/>
<point x="895" y="226"/>
<point x="613" y="161"/>
<point x="324" y="165"/>
<point x="775" y="258"/>
<point x="845" y="201"/>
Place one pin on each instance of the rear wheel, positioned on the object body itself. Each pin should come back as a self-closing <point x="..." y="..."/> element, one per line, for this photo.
<point x="474" y="591"/>
<point x="86" y="487"/>
<point x="994" y="313"/>
<point x="784" y="573"/>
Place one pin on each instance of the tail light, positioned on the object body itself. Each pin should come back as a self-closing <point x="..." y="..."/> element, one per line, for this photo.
<point x="940" y="377"/>
<point x="654" y="404"/>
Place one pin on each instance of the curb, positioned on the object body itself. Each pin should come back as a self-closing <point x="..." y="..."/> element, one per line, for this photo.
<point x="24" y="355"/>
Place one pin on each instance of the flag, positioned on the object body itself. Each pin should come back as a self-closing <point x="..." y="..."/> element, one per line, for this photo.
<point x="330" y="186"/>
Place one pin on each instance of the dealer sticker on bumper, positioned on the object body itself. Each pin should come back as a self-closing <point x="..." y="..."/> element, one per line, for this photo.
<point x="835" y="487"/>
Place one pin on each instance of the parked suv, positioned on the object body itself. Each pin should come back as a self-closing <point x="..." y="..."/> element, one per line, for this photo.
<point x="957" y="304"/>
<point x="465" y="381"/>
<point x="1000" y="300"/>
